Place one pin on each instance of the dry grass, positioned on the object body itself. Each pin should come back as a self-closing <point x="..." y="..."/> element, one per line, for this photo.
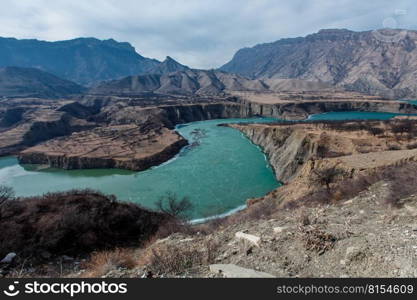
<point x="103" y="262"/>
<point x="316" y="240"/>
<point x="161" y="259"/>
<point x="402" y="182"/>
<point x="173" y="260"/>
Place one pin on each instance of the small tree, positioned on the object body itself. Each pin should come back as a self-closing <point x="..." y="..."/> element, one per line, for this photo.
<point x="174" y="207"/>
<point x="6" y="194"/>
<point x="376" y="131"/>
<point x="327" y="176"/>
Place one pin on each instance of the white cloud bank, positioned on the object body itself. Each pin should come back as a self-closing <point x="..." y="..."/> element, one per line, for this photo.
<point x="199" y="33"/>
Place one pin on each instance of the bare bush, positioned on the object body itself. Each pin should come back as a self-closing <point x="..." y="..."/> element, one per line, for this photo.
<point x="101" y="263"/>
<point x="174" y="207"/>
<point x="412" y="146"/>
<point x="74" y="223"/>
<point x="327" y="176"/>
<point x="394" y="147"/>
<point x="376" y="131"/>
<point x="170" y="259"/>
<point x="173" y="260"/>
<point x="316" y="240"/>
<point x="6" y="194"/>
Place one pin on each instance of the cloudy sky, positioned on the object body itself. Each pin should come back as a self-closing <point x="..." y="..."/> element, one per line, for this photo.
<point x="198" y="33"/>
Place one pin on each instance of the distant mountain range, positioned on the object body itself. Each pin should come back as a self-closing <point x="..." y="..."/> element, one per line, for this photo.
<point x="382" y="62"/>
<point x="30" y="82"/>
<point x="82" y="60"/>
<point x="185" y="81"/>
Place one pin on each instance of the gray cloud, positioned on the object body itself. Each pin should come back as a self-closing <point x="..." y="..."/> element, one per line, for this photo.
<point x="199" y="33"/>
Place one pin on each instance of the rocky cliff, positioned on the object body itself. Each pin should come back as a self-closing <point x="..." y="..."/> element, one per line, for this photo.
<point x="292" y="109"/>
<point x="297" y="151"/>
<point x="287" y="149"/>
<point x="123" y="146"/>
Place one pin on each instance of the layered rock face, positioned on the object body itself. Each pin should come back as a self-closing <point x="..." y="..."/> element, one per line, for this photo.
<point x="287" y="148"/>
<point x="297" y="151"/>
<point x="297" y="106"/>
<point x="123" y="146"/>
<point x="26" y="122"/>
<point x="379" y="62"/>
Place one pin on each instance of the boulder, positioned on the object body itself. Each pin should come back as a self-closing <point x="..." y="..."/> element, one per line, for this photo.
<point x="234" y="271"/>
<point x="8" y="258"/>
<point x="249" y="237"/>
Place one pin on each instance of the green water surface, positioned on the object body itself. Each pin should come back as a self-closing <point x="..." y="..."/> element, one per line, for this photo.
<point x="219" y="174"/>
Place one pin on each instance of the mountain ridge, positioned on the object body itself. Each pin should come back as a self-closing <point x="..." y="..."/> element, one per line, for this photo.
<point x="82" y="60"/>
<point x="380" y="62"/>
<point x="32" y="82"/>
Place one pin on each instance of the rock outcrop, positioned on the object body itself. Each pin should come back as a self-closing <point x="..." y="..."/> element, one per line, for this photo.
<point x="121" y="146"/>
<point x="26" y="122"/>
<point x="298" y="152"/>
<point x="297" y="106"/>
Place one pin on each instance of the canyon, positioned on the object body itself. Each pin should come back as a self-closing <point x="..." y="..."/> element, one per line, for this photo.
<point x="27" y="122"/>
<point x="300" y="151"/>
<point x="335" y="196"/>
<point x="133" y="133"/>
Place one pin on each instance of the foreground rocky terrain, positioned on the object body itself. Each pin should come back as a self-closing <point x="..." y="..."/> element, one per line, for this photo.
<point x="359" y="223"/>
<point x="343" y="211"/>
<point x="358" y="237"/>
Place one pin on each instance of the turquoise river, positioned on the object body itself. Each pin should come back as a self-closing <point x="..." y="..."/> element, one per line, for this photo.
<point x="219" y="174"/>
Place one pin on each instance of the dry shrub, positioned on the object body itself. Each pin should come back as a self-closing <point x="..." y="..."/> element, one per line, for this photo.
<point x="174" y="260"/>
<point x="6" y="194"/>
<point x="73" y="223"/>
<point x="412" y="146"/>
<point x="172" y="226"/>
<point x="394" y="147"/>
<point x="173" y="206"/>
<point x="317" y="240"/>
<point x="403" y="182"/>
<point x="102" y="262"/>
<point x="304" y="218"/>
<point x="327" y="176"/>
